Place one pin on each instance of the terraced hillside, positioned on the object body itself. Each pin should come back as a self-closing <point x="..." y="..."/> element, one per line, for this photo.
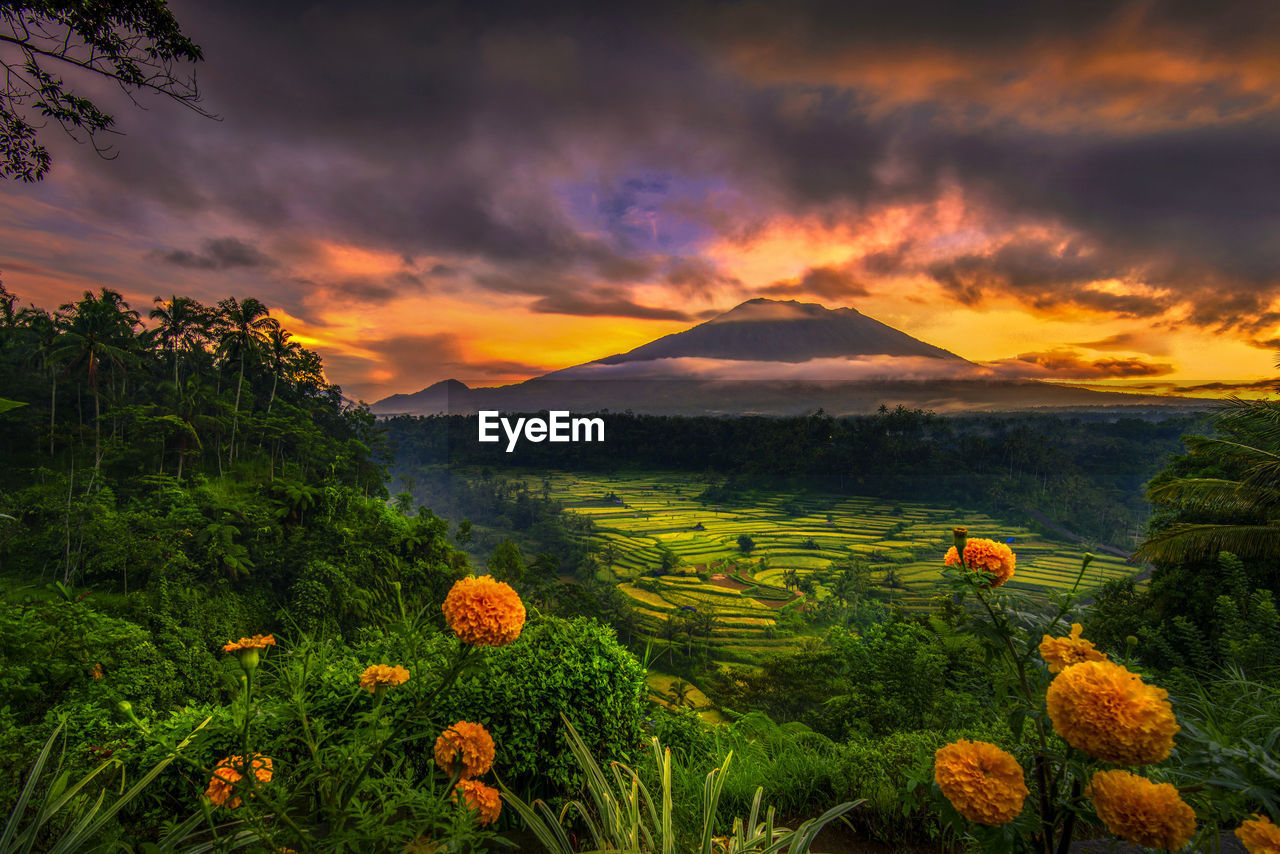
<point x="738" y="595"/>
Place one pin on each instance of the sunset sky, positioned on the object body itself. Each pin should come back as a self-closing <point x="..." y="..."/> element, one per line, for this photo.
<point x="423" y="190"/>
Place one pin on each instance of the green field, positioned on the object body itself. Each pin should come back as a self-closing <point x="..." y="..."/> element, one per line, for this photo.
<point x="903" y="543"/>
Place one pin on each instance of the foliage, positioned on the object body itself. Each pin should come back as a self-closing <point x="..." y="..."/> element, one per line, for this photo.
<point x="1229" y="500"/>
<point x="620" y="814"/>
<point x="60" y="816"/>
<point x="1099" y="714"/>
<point x="890" y="677"/>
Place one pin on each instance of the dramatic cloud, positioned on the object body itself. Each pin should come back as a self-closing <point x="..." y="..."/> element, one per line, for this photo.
<point x="580" y="175"/>
<point x="1064" y="364"/>
<point x="602" y="305"/>
<point x="826" y="283"/>
<point x="219" y="253"/>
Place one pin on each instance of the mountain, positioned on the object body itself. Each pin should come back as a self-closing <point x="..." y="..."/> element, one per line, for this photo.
<point x="774" y="358"/>
<point x="769" y="330"/>
<point x="433" y="398"/>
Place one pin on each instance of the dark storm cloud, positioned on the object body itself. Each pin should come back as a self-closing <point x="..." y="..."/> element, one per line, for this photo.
<point x="218" y="253"/>
<point x="451" y="129"/>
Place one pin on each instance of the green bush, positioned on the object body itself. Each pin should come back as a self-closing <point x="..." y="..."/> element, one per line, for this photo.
<point x="54" y="653"/>
<point x="881" y="768"/>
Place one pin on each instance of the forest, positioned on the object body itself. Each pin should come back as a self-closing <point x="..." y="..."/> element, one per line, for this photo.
<point x="1089" y="479"/>
<point x="232" y="621"/>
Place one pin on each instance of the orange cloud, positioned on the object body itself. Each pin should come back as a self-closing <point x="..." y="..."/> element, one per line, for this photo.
<point x="1065" y="364"/>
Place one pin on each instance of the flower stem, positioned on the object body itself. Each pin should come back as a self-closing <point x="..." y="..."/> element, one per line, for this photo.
<point x="395" y="733"/>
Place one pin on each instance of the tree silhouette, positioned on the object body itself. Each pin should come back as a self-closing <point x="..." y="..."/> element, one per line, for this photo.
<point x="137" y="44"/>
<point x="280" y="351"/>
<point x="181" y="327"/>
<point x="245" y="326"/>
<point x="97" y="331"/>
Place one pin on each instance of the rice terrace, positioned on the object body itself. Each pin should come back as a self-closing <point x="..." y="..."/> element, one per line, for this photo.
<point x="640" y="519"/>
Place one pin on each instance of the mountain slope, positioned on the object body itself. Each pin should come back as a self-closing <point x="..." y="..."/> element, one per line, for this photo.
<point x="770" y="330"/>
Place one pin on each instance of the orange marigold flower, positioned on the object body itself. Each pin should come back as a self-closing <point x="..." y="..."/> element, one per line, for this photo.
<point x="96" y="673"/>
<point x="229" y="772"/>
<point x="1061" y="653"/>
<point x="987" y="556"/>
<point x="255" y="642"/>
<point x="1259" y="835"/>
<point x="481" y="798"/>
<point x="1144" y="813"/>
<point x="376" y="676"/>
<point x="1111" y="714"/>
<point x="984" y="783"/>
<point x="470" y="740"/>
<point x="484" y="612"/>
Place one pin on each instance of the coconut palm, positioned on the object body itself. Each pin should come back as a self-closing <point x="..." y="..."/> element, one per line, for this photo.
<point x="44" y="331"/>
<point x="245" y="325"/>
<point x="280" y="351"/>
<point x="97" y="336"/>
<point x="181" y="327"/>
<point x="1238" y="510"/>
<point x="678" y="693"/>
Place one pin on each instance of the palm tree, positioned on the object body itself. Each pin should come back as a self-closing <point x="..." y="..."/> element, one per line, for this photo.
<point x="97" y="332"/>
<point x="1238" y="510"/>
<point x="678" y="692"/>
<point x="45" y="329"/>
<point x="280" y="351"/>
<point x="245" y="325"/>
<point x="181" y="327"/>
<point x="189" y="417"/>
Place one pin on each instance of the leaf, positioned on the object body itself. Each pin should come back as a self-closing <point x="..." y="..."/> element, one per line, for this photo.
<point x="1017" y="720"/>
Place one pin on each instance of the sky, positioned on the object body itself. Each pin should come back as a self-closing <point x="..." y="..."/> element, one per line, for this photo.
<point x="1080" y="191"/>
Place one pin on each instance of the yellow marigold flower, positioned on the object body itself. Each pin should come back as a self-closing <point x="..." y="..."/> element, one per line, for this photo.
<point x="229" y="772"/>
<point x="255" y="642"/>
<point x="1111" y="714"/>
<point x="983" y="782"/>
<point x="1144" y="813"/>
<point x="1259" y="835"/>
<point x="481" y="798"/>
<point x="484" y="612"/>
<point x="376" y="676"/>
<point x="470" y="740"/>
<point x="1061" y="653"/>
<point x="985" y="556"/>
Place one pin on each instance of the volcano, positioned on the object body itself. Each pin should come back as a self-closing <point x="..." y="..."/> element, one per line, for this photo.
<point x="771" y="357"/>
